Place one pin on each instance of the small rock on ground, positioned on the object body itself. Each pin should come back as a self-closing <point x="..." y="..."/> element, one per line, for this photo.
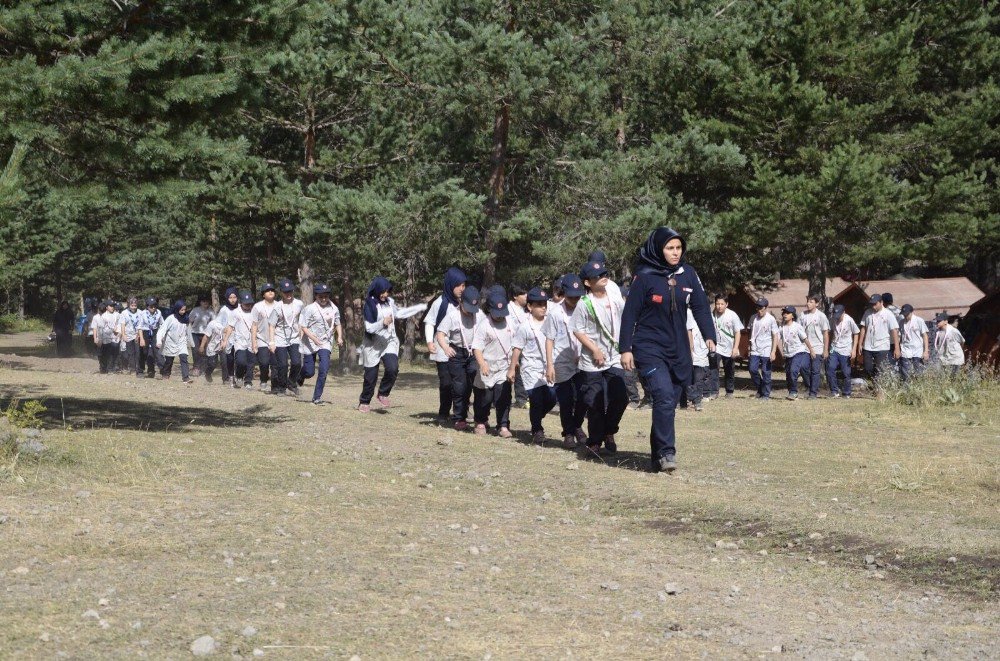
<point x="203" y="646"/>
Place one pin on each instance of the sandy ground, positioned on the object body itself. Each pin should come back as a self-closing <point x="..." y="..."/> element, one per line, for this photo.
<point x="161" y="513"/>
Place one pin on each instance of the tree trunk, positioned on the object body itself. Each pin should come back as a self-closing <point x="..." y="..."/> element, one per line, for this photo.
<point x="306" y="282"/>
<point x="498" y="174"/>
<point x="20" y="301"/>
<point x="212" y="239"/>
<point x="618" y="101"/>
<point x="410" y="325"/>
<point x="348" y="355"/>
<point x="817" y="281"/>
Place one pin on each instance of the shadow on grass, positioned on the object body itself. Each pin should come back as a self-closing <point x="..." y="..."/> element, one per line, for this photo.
<point x="139" y="416"/>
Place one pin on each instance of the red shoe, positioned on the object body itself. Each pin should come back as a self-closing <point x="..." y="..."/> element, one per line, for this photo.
<point x="504" y="433"/>
<point x="384" y="401"/>
<point x="461" y="425"/>
<point x="480" y="430"/>
<point x="364" y="408"/>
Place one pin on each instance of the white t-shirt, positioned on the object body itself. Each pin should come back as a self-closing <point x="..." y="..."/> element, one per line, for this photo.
<point x="264" y="315"/>
<point x="106" y="325"/>
<point x="565" y="346"/>
<point x="241" y="321"/>
<point x="495" y="340"/>
<point x="726" y="326"/>
<point x="223" y="317"/>
<point x="948" y="346"/>
<point x="530" y="339"/>
<point x="792" y="336"/>
<point x="214" y="331"/>
<point x="762" y="332"/>
<point x="322" y="322"/>
<point x="287" y="329"/>
<point x="842" y="336"/>
<point x="815" y="323"/>
<point x="517" y="316"/>
<point x="439" y="355"/>
<point x="912" y="334"/>
<point x="460" y="328"/>
<point x="699" y="349"/>
<point x="879" y="327"/>
<point x="131" y="323"/>
<point x="199" y="319"/>
<point x="609" y="314"/>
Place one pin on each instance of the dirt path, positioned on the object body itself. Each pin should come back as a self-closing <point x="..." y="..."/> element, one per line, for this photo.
<point x="164" y="512"/>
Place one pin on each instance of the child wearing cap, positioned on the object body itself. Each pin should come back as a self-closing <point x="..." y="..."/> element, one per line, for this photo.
<point x="262" y="341"/>
<point x="879" y="337"/>
<point x="107" y="336"/>
<point x="949" y="345"/>
<point x="380" y="345"/>
<point x="728" y="328"/>
<point x="450" y="299"/>
<point x="172" y="341"/>
<point x="763" y="348"/>
<point x="211" y="346"/>
<point x="696" y="389"/>
<point x="518" y="307"/>
<point x="796" y="349"/>
<point x="843" y="351"/>
<point x="287" y="341"/>
<point x="492" y="346"/>
<point x="529" y="353"/>
<point x="454" y="336"/>
<point x="200" y="318"/>
<point x="240" y="334"/>
<point x="320" y="325"/>
<point x="914" y="350"/>
<point x="596" y="323"/>
<point x="150" y="321"/>
<point x="562" y="358"/>
<point x="817" y="328"/>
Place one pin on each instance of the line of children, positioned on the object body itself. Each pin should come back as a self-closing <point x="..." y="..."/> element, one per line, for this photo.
<point x="529" y="354"/>
<point x="492" y="347"/>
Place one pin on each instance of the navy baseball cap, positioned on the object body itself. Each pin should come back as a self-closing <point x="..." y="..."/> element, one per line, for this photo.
<point x="762" y="302"/>
<point x="572" y="286"/>
<point x="876" y="298"/>
<point x="557" y="283"/>
<point x="906" y="309"/>
<point x="321" y="288"/>
<point x="941" y="316"/>
<point x="246" y="297"/>
<point x="496" y="305"/>
<point x="470" y="300"/>
<point x="151" y="301"/>
<point x="838" y="310"/>
<point x="286" y="285"/>
<point x="538" y="295"/>
<point x="267" y="286"/>
<point x="790" y="309"/>
<point x="592" y="270"/>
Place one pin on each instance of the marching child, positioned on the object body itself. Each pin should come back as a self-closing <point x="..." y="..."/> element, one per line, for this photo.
<point x="172" y="341"/>
<point x="454" y="336"/>
<point x="381" y="344"/>
<point x="562" y="357"/>
<point x="529" y="354"/>
<point x="287" y="341"/>
<point x="227" y="357"/>
<point x="949" y="345"/>
<point x="817" y="328"/>
<point x="596" y="323"/>
<point x="796" y="350"/>
<point x="492" y="344"/>
<point x="728" y="329"/>
<point x="107" y="336"/>
<point x="518" y="307"/>
<point x="914" y="346"/>
<point x="450" y="299"/>
<point x="698" y="388"/>
<point x="843" y="351"/>
<point x="262" y="342"/>
<point x="240" y="334"/>
<point x="200" y="318"/>
<point x="212" y="347"/>
<point x="131" y="319"/>
<point x="320" y="326"/>
<point x="149" y="355"/>
<point x="763" y="348"/>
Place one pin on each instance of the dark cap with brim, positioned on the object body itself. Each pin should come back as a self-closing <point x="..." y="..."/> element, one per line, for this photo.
<point x="246" y="298"/>
<point x="906" y="309"/>
<point x="875" y="298"/>
<point x="790" y="309"/>
<point x="572" y="286"/>
<point x="593" y="270"/>
<point x="286" y="285"/>
<point x="538" y="295"/>
<point x="470" y="300"/>
<point x="321" y="288"/>
<point x="496" y="305"/>
<point x="762" y="302"/>
<point x="267" y="286"/>
<point x="940" y="316"/>
<point x="838" y="310"/>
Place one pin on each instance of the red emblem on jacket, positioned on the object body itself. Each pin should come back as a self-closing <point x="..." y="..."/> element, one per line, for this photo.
<point x="657" y="298"/>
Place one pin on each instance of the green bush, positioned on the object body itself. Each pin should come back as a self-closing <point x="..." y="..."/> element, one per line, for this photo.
<point x="970" y="386"/>
<point x="12" y="323"/>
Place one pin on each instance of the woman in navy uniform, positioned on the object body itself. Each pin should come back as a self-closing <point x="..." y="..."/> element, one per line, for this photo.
<point x="654" y="335"/>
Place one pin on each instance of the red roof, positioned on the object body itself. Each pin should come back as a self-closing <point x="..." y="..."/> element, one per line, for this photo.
<point x="794" y="292"/>
<point x="928" y="295"/>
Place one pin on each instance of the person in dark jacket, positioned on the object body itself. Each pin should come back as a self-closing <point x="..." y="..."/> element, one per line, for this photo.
<point x="654" y="335"/>
<point x="62" y="328"/>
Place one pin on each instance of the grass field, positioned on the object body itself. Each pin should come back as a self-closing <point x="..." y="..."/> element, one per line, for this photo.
<point x="162" y="513"/>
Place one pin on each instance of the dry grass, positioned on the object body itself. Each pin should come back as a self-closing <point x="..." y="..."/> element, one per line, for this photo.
<point x="409" y="540"/>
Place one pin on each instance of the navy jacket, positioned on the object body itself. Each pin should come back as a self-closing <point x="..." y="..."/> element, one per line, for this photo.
<point x="652" y="331"/>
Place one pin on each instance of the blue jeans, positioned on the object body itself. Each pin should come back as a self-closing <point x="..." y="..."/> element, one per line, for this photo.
<point x="665" y="391"/>
<point x="541" y="400"/>
<point x="844" y="363"/>
<point x="760" y="374"/>
<point x="283" y="377"/>
<point x="310" y="363"/>
<point x="244" y="366"/>
<point x="815" y="374"/>
<point x="571" y="408"/>
<point x="794" y="366"/>
<point x="910" y="367"/>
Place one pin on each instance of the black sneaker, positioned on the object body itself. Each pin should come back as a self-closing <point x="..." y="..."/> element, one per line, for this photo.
<point x="668" y="463"/>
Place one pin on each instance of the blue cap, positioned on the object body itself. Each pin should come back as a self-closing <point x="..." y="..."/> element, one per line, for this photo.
<point x="876" y="298"/>
<point x="838" y="310"/>
<point x="762" y="302"/>
<point x="538" y="295"/>
<point x="907" y="309"/>
<point x="790" y="309"/>
<point x="558" y="283"/>
<point x="592" y="270"/>
<point x="571" y="285"/>
<point x="246" y="297"/>
<point x="151" y="301"/>
<point x="321" y="288"/>
<point x="286" y="285"/>
<point x="496" y="305"/>
<point x="940" y="316"/>
<point x="267" y="286"/>
<point x="470" y="299"/>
